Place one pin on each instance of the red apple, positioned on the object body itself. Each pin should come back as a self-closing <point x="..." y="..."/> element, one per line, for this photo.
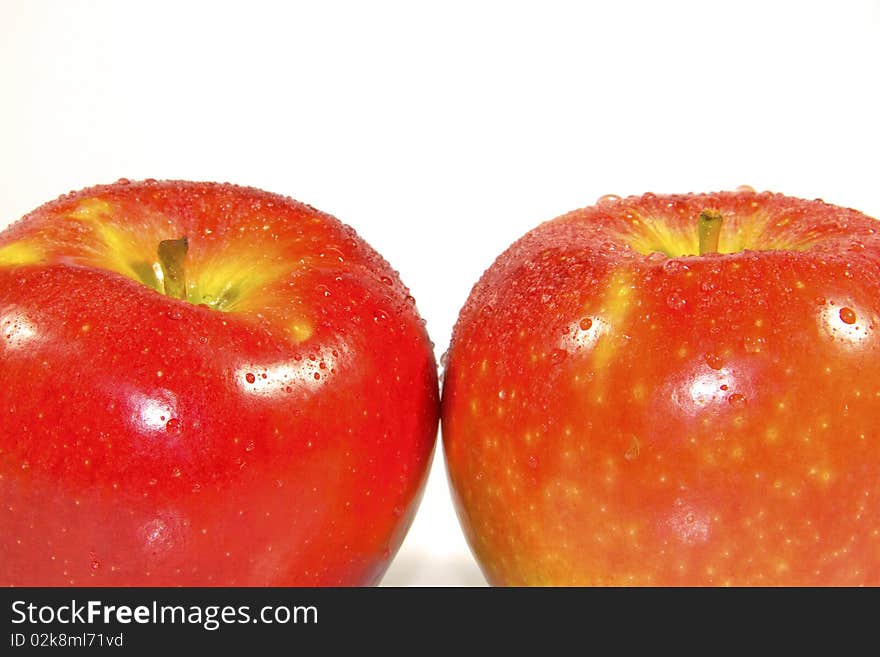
<point x="204" y="384"/>
<point x="627" y="403"/>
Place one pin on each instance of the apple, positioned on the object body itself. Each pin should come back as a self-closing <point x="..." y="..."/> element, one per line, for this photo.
<point x="205" y="384"/>
<point x="673" y="390"/>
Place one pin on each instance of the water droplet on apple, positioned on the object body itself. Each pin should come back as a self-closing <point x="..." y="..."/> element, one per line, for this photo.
<point x="633" y="451"/>
<point x="250" y="446"/>
<point x="174" y="314"/>
<point x="672" y="266"/>
<point x="95" y="564"/>
<point x="533" y="462"/>
<point x="608" y="199"/>
<point x="746" y="188"/>
<point x="250" y="378"/>
<point x="713" y="360"/>
<point x="398" y="511"/>
<point x="203" y="339"/>
<point x="386" y="280"/>
<point x="736" y="399"/>
<point x="585" y="324"/>
<point x="123" y="181"/>
<point x="847" y="316"/>
<point x="173" y="426"/>
<point x="676" y="301"/>
<point x="558" y="355"/>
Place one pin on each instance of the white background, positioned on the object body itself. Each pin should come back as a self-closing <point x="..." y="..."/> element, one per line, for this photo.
<point x="444" y="131"/>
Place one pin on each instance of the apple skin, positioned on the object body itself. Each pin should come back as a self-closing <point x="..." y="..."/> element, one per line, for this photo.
<point x="616" y="412"/>
<point x="277" y="432"/>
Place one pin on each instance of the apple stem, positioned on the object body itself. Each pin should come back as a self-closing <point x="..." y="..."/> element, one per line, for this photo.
<point x="172" y="254"/>
<point x="709" y="229"/>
